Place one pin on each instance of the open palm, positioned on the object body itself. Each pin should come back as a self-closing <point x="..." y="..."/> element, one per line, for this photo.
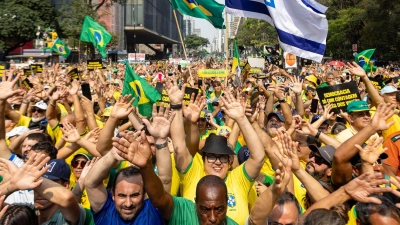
<point x="159" y="128"/>
<point x="232" y="107"/>
<point x="6" y="88"/>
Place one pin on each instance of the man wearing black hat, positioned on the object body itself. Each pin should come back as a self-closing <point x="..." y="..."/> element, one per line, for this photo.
<point x="320" y="164"/>
<point x="217" y="156"/>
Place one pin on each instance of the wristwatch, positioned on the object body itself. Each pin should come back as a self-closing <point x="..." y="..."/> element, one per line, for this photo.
<point x="160" y="146"/>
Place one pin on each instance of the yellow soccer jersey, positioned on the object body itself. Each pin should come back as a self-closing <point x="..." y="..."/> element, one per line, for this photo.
<point x="299" y="189"/>
<point x="237" y="181"/>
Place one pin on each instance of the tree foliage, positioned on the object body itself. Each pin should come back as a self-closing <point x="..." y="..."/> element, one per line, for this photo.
<point x="254" y="32"/>
<point x="193" y="41"/>
<point x="19" y="20"/>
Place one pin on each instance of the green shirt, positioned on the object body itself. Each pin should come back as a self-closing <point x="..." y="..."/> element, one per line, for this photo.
<point x="184" y="212"/>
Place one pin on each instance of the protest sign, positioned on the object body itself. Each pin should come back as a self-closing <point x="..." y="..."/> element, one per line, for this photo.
<point x="212" y="73"/>
<point x="339" y="96"/>
<point x="377" y="82"/>
<point x="94" y="64"/>
<point x="74" y="74"/>
<point x="165" y="98"/>
<point x="36" y="68"/>
<point x="27" y="72"/>
<point x="27" y="84"/>
<point x="255" y="70"/>
<point x="136" y="57"/>
<point x="2" y="68"/>
<point x="245" y="70"/>
<point x="256" y="62"/>
<point x="290" y="60"/>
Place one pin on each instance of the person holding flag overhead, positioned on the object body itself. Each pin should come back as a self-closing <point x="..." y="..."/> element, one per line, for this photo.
<point x="363" y="60"/>
<point x="96" y="34"/>
<point x="59" y="47"/>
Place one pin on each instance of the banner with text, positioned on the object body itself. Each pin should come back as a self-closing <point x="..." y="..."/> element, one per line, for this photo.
<point x="339" y="96"/>
<point x="94" y="64"/>
<point x="165" y="98"/>
<point x="136" y="57"/>
<point x="2" y="68"/>
<point x="212" y="73"/>
<point x="377" y="82"/>
<point x="36" y="68"/>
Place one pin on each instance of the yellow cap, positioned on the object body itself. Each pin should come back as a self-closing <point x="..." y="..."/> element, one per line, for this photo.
<point x="107" y="111"/>
<point x="312" y="79"/>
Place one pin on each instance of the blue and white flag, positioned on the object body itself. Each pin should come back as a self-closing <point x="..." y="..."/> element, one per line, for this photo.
<point x="301" y="25"/>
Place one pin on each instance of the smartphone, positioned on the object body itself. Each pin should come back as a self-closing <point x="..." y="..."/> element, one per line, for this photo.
<point x="314" y="105"/>
<point x="200" y="82"/>
<point x="86" y="91"/>
<point x="180" y="68"/>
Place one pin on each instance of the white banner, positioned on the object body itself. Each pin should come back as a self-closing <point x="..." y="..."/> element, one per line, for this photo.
<point x="136" y="56"/>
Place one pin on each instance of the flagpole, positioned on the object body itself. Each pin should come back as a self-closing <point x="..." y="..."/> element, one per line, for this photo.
<point x="226" y="47"/>
<point x="79" y="52"/>
<point x="180" y="36"/>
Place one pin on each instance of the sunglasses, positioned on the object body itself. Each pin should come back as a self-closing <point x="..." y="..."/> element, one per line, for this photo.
<point x="37" y="110"/>
<point x="213" y="158"/>
<point x="318" y="159"/>
<point x="75" y="164"/>
<point x="378" y="162"/>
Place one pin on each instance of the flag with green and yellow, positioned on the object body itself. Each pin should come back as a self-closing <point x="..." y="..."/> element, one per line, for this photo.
<point x="60" y="48"/>
<point x="96" y="34"/>
<point x="363" y="59"/>
<point x="144" y="94"/>
<point x="236" y="58"/>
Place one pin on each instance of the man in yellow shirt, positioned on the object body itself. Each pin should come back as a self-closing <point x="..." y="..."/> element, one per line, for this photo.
<point x="216" y="159"/>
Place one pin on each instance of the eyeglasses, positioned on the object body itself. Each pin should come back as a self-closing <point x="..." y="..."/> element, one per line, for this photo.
<point x="213" y="158"/>
<point x="75" y="164"/>
<point x="37" y="110"/>
<point x="318" y="159"/>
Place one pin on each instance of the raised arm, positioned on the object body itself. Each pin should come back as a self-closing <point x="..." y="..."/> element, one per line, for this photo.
<point x="278" y="90"/>
<point x="51" y="112"/>
<point x="88" y="107"/>
<point x="159" y="129"/>
<point x="341" y="166"/>
<point x="182" y="154"/>
<point x="80" y="184"/>
<point x="139" y="154"/>
<point x="120" y="110"/>
<point x="297" y="87"/>
<point x="97" y="193"/>
<point x="78" y="110"/>
<point x="192" y="114"/>
<point x="236" y="111"/>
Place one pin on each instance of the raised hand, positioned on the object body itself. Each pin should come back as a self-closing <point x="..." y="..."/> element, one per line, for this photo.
<point x="261" y="102"/>
<point x="361" y="187"/>
<point x="175" y="94"/>
<point x="281" y="179"/>
<point x="278" y="90"/>
<point x="193" y="110"/>
<point x="7" y="86"/>
<point x="252" y="116"/>
<point x="296" y="86"/>
<point x="70" y="132"/>
<point x="285" y="148"/>
<point x="87" y="105"/>
<point x="383" y="112"/>
<point x="123" y="107"/>
<point x="74" y="87"/>
<point x="306" y="129"/>
<point x="232" y="107"/>
<point x="327" y="114"/>
<point x="2" y="206"/>
<point x="87" y="168"/>
<point x="370" y="153"/>
<point x="161" y="122"/>
<point x="60" y="93"/>
<point x="28" y="176"/>
<point x="355" y="69"/>
<point x="136" y="152"/>
<point x="93" y="135"/>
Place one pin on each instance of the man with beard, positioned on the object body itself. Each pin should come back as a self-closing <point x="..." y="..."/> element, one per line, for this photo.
<point x="320" y="164"/>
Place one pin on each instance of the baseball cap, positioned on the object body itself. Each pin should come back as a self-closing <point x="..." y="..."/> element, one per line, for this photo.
<point x="87" y="156"/>
<point x="41" y="105"/>
<point x="357" y="106"/>
<point x="326" y="152"/>
<point x="243" y="154"/>
<point x="17" y="131"/>
<point x="217" y="144"/>
<point x="388" y="89"/>
<point x="316" y="117"/>
<point x="280" y="116"/>
<point x="59" y="170"/>
<point x="107" y="111"/>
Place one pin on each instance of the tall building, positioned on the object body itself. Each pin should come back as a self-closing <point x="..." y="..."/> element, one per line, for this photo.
<point x="188" y="25"/>
<point x="197" y="31"/>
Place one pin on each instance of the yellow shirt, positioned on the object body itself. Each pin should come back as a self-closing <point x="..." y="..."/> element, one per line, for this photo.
<point x="55" y="133"/>
<point x="299" y="190"/>
<point x="237" y="182"/>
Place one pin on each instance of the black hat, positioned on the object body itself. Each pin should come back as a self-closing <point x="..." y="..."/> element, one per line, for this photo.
<point x="326" y="152"/>
<point x="216" y="144"/>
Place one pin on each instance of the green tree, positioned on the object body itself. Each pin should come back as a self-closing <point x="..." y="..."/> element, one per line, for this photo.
<point x="254" y="32"/>
<point x="193" y="41"/>
<point x="19" y="20"/>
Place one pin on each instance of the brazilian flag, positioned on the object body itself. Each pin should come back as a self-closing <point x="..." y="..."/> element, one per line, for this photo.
<point x="203" y="9"/>
<point x="144" y="94"/>
<point x="61" y="48"/>
<point x="96" y="34"/>
<point x="363" y="60"/>
<point x="236" y="61"/>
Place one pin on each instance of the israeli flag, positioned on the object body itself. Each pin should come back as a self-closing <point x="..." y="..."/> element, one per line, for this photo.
<point x="301" y="25"/>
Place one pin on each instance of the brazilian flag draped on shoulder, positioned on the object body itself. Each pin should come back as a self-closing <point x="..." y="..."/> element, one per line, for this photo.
<point x="96" y="34"/>
<point x="203" y="9"/>
<point x="363" y="59"/>
<point x="144" y="94"/>
<point x="61" y="48"/>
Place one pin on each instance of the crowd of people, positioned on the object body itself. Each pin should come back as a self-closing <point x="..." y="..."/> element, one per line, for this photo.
<point x="246" y="149"/>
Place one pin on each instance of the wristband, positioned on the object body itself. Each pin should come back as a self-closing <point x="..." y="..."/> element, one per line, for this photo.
<point x="282" y="101"/>
<point x="177" y="106"/>
<point x="145" y="130"/>
<point x="25" y="102"/>
<point x="318" y="134"/>
<point x="161" y="146"/>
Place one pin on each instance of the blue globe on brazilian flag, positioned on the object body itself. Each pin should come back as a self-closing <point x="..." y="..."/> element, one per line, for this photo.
<point x="61" y="48"/>
<point x="96" y="34"/>
<point x="363" y="60"/>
